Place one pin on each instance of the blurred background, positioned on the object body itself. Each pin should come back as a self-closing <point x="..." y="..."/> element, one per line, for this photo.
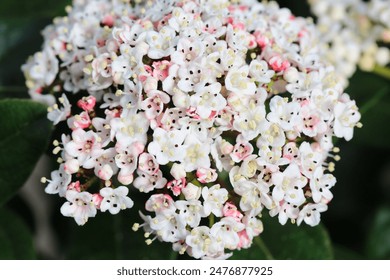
<point x="356" y="226"/>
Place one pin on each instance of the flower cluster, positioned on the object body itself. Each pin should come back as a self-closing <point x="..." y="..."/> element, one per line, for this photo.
<point x="219" y="110"/>
<point x="354" y="33"/>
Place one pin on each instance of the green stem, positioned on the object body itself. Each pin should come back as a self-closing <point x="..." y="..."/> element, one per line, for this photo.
<point x="260" y="243"/>
<point x="382" y="71"/>
<point x="12" y="89"/>
<point x="374" y="100"/>
<point x="211" y="220"/>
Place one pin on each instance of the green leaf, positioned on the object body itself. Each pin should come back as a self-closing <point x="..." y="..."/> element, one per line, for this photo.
<point x="288" y="242"/>
<point x="343" y="253"/>
<point x="378" y="243"/>
<point x="32" y="9"/>
<point x="24" y="134"/>
<point x="15" y="238"/>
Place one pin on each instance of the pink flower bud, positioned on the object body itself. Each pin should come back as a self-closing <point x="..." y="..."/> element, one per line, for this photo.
<point x="97" y="200"/>
<point x="245" y="241"/>
<point x="278" y="64"/>
<point x="87" y="103"/>
<point x="230" y="210"/>
<point x="161" y="69"/>
<point x="206" y="175"/>
<point x="176" y="186"/>
<point x="79" y="121"/>
<point x="75" y="186"/>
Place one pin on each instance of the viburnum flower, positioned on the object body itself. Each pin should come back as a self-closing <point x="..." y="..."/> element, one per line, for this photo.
<point x="219" y="111"/>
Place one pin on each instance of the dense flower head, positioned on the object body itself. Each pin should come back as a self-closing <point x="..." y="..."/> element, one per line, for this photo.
<point x="219" y="110"/>
<point x="354" y="33"/>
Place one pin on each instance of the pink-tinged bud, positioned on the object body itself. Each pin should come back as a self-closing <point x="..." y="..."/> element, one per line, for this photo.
<point x="71" y="166"/>
<point x="105" y="173"/>
<point x="161" y="69"/>
<point x="87" y="103"/>
<point x="226" y="148"/>
<point x="138" y="147"/>
<point x="97" y="200"/>
<point x="147" y="164"/>
<point x="261" y="40"/>
<point x="79" y="121"/>
<point x="150" y="84"/>
<point x="108" y="20"/>
<point x="148" y="70"/>
<point x="75" y="186"/>
<point x="177" y="171"/>
<point x="126" y="179"/>
<point x="176" y="186"/>
<point x="291" y="75"/>
<point x="230" y="210"/>
<point x="278" y="64"/>
<point x="191" y="192"/>
<point x="206" y="175"/>
<point x="244" y="242"/>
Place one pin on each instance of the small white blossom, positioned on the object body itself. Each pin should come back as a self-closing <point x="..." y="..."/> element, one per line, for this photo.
<point x="115" y="200"/>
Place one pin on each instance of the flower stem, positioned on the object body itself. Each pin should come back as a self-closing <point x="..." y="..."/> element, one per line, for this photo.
<point x="211" y="220"/>
<point x="260" y="243"/>
<point x="382" y="71"/>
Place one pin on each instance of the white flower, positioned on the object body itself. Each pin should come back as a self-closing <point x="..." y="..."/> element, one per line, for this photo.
<point x="227" y="230"/>
<point x="289" y="185"/>
<point x="202" y="242"/>
<point x="167" y="145"/>
<point x="60" y="179"/>
<point x="285" y="210"/>
<point x="346" y="118"/>
<point x="160" y="203"/>
<point x="251" y="122"/>
<point x="214" y="198"/>
<point x="126" y="159"/>
<point x="177" y="171"/>
<point x="190" y="211"/>
<point x="196" y="155"/>
<point x="169" y="227"/>
<point x="320" y="185"/>
<point x="191" y="192"/>
<point x="130" y="129"/>
<point x="258" y="70"/>
<point x="237" y="81"/>
<point x="161" y="44"/>
<point x="79" y="206"/>
<point x="187" y="51"/>
<point x="208" y="100"/>
<point x="311" y="214"/>
<point x="284" y="113"/>
<point x="310" y="159"/>
<point x="146" y="183"/>
<point x="115" y="200"/>
<point x="254" y="196"/>
<point x="85" y="145"/>
<point x="56" y="114"/>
